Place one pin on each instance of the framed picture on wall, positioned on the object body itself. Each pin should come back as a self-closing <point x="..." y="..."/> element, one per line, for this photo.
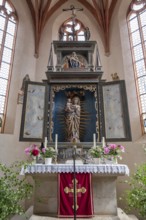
<point x="34" y="112"/>
<point x="114" y="111"/>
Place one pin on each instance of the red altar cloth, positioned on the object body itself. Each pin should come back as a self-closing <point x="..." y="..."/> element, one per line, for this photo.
<point x="84" y="198"/>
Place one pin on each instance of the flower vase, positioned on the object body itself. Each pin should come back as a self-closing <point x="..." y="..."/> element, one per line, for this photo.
<point x="34" y="161"/>
<point x="111" y="160"/>
<point x="115" y="161"/>
<point x="48" y="160"/>
<point x="96" y="160"/>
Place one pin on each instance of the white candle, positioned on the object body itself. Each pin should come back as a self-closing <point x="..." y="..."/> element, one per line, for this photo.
<point x="103" y="142"/>
<point x="94" y="140"/>
<point x="56" y="141"/>
<point x="45" y="144"/>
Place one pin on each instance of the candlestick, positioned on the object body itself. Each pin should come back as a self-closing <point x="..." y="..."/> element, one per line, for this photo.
<point x="94" y="140"/>
<point x="45" y="144"/>
<point x="56" y="141"/>
<point x="103" y="142"/>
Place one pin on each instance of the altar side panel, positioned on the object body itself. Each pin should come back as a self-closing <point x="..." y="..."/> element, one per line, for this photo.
<point x="33" y="124"/>
<point x="113" y="112"/>
<point x="114" y="108"/>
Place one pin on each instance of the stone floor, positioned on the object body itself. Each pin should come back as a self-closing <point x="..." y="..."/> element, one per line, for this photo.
<point x="30" y="216"/>
<point x="131" y="217"/>
<point x="121" y="215"/>
<point x="51" y="218"/>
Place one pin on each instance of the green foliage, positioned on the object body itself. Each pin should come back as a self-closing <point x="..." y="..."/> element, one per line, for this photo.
<point x="96" y="151"/>
<point x="13" y="190"/>
<point x="136" y="196"/>
<point x="48" y="152"/>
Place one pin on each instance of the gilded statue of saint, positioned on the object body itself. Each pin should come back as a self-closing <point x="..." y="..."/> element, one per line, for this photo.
<point x="72" y="118"/>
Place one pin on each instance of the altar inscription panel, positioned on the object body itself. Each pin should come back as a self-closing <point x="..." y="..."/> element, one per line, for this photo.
<point x="34" y="112"/>
<point x="115" y="118"/>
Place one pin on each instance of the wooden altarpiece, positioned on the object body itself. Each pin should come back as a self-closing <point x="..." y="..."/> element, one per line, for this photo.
<point x="104" y="108"/>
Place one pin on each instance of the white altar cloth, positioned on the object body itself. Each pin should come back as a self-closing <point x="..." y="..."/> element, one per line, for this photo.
<point x="120" y="169"/>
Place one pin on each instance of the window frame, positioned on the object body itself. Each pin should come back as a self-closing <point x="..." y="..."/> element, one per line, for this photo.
<point x="65" y="24"/>
<point x="8" y="15"/>
<point x="137" y="13"/>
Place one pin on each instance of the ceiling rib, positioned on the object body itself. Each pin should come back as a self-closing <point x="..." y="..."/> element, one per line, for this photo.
<point x="101" y="10"/>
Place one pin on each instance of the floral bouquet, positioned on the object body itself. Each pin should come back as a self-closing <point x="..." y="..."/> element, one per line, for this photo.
<point x="114" y="150"/>
<point x="48" y="152"/>
<point x="32" y="150"/>
<point x="96" y="151"/>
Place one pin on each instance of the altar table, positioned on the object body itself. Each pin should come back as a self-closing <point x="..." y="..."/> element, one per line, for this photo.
<point x="104" y="178"/>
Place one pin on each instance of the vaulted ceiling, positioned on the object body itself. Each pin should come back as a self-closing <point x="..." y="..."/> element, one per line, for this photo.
<point x="102" y="10"/>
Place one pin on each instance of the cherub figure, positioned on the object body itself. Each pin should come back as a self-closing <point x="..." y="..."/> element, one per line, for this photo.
<point x="115" y="76"/>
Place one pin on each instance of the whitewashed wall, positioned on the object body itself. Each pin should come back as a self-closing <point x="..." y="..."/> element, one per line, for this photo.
<point x="24" y="63"/>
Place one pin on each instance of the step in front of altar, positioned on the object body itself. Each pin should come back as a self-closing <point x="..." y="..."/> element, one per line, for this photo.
<point x="29" y="213"/>
<point x="121" y="216"/>
<point x="94" y="218"/>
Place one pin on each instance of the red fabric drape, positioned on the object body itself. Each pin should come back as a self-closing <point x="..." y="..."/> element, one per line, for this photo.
<point x="84" y="198"/>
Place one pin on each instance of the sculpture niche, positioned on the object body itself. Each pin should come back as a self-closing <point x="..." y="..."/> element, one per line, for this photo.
<point x="74" y="62"/>
<point x="72" y="119"/>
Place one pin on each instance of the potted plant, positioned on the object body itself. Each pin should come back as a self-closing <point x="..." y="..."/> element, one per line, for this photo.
<point x="48" y="153"/>
<point x="112" y="152"/>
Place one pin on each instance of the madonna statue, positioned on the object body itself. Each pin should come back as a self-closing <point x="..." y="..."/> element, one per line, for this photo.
<point x="72" y="113"/>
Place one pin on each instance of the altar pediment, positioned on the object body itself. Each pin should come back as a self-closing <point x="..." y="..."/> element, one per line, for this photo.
<point x="68" y="46"/>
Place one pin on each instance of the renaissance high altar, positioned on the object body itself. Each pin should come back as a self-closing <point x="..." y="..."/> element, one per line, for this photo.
<point x="75" y="103"/>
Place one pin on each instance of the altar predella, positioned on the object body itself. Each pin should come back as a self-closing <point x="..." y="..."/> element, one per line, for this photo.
<point x="76" y="105"/>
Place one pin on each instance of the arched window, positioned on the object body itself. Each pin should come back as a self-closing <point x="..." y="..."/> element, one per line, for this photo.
<point x="72" y="28"/>
<point x="137" y="32"/>
<point x="8" y="25"/>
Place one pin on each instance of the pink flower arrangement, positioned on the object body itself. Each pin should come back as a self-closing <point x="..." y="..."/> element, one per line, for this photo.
<point x="114" y="150"/>
<point x="32" y="150"/>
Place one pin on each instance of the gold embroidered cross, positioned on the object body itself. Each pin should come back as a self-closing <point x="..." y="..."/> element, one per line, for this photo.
<point x="77" y="190"/>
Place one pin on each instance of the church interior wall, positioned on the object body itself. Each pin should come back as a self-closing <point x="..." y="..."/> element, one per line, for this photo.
<point x="114" y="60"/>
<point x="128" y="73"/>
<point x="24" y="63"/>
<point x="134" y="149"/>
<point x="119" y="61"/>
<point x="44" y="51"/>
